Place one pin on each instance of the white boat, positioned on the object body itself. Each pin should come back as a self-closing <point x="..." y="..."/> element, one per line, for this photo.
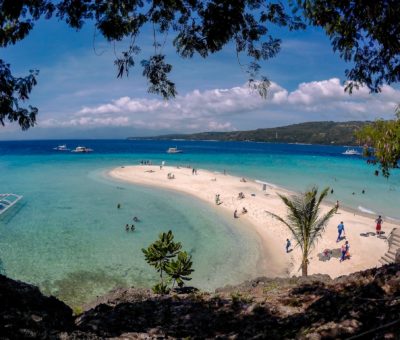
<point x="174" y="150"/>
<point x="61" y="148"/>
<point x="351" y="152"/>
<point x="82" y="149"/>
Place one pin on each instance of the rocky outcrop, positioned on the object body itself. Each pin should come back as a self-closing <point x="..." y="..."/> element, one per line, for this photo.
<point x="364" y="304"/>
<point x="25" y="313"/>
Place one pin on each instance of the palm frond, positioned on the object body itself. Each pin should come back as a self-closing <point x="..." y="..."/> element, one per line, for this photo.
<point x="293" y="230"/>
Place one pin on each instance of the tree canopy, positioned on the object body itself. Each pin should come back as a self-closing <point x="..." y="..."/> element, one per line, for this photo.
<point x="382" y="143"/>
<point x="366" y="33"/>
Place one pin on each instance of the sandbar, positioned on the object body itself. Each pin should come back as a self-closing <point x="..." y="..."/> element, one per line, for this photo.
<point x="205" y="185"/>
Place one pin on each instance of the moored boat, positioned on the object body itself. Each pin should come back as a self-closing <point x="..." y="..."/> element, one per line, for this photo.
<point x="82" y="149"/>
<point x="62" y="147"/>
<point x="351" y="152"/>
<point x="174" y="150"/>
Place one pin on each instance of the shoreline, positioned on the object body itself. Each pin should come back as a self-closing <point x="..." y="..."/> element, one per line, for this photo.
<point x="366" y="251"/>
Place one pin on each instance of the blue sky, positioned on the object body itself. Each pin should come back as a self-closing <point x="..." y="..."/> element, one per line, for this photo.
<point x="78" y="94"/>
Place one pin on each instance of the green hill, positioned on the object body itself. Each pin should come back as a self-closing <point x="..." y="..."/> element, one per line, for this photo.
<point x="340" y="133"/>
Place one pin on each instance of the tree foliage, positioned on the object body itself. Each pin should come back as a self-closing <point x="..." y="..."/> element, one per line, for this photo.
<point x="366" y="34"/>
<point x="381" y="141"/>
<point x="304" y="222"/>
<point x="174" y="265"/>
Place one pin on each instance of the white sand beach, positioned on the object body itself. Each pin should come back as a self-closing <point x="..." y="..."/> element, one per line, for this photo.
<point x="365" y="251"/>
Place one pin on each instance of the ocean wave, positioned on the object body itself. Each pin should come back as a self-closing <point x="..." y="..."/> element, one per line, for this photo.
<point x="267" y="183"/>
<point x="365" y="210"/>
<point x="393" y="219"/>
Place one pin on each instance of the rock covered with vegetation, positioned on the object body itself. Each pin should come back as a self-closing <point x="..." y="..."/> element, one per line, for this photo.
<point x="365" y="305"/>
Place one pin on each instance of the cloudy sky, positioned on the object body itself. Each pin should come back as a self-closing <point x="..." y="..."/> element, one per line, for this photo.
<point x="79" y="96"/>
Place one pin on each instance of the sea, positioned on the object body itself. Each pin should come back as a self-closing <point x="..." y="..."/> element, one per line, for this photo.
<point x="68" y="237"/>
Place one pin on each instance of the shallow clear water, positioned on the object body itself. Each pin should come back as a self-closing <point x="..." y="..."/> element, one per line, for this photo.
<point x="68" y="237"/>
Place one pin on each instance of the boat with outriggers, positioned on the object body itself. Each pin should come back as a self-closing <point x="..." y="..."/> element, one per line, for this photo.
<point x="82" y="149"/>
<point x="174" y="150"/>
<point x="62" y="147"/>
<point x="7" y="201"/>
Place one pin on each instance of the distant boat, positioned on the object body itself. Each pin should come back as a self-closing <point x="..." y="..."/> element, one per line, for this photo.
<point x="82" y="149"/>
<point x="174" y="150"/>
<point x="61" y="148"/>
<point x="350" y="152"/>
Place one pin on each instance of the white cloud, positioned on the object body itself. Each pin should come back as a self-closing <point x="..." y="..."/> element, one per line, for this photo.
<point x="237" y="108"/>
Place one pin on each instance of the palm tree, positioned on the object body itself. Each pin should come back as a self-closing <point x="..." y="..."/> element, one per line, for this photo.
<point x="304" y="222"/>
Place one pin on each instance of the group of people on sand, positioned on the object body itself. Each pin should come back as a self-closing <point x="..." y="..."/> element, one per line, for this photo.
<point x="171" y="175"/>
<point x="194" y="171"/>
<point x="145" y="162"/>
<point x="132" y="226"/>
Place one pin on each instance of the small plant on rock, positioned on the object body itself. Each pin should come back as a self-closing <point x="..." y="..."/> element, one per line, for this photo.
<point x="174" y="265"/>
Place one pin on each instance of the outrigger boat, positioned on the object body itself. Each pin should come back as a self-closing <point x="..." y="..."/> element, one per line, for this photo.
<point x="7" y="201"/>
<point x="174" y="150"/>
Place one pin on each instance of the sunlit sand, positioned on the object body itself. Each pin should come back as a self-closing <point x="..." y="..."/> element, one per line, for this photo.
<point x="205" y="185"/>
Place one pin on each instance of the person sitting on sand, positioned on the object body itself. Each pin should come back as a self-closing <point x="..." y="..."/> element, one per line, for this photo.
<point x="235" y="215"/>
<point x="244" y="210"/>
<point x="243" y="180"/>
<point x="379" y="222"/>
<point x="241" y="195"/>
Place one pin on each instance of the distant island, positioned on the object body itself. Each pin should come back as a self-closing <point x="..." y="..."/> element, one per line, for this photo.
<point x="328" y="132"/>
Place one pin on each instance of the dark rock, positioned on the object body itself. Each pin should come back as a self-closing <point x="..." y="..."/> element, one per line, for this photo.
<point x="315" y="307"/>
<point x="397" y="257"/>
<point x="26" y="313"/>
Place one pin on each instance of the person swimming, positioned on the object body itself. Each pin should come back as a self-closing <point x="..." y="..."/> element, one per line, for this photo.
<point x="136" y="219"/>
<point x="133" y="227"/>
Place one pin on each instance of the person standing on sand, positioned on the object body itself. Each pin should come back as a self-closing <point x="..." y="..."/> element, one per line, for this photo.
<point x="288" y="244"/>
<point x="340" y="229"/>
<point x="235" y="215"/>
<point x="337" y="207"/>
<point x="345" y="251"/>
<point x="379" y="222"/>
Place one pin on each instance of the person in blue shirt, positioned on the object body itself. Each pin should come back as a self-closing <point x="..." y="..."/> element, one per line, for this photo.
<point x="345" y="251"/>
<point x="340" y="229"/>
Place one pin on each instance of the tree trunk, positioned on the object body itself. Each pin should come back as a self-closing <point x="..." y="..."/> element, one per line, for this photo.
<point x="304" y="268"/>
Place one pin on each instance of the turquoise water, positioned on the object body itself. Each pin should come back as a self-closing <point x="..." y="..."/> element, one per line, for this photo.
<point x="68" y="237"/>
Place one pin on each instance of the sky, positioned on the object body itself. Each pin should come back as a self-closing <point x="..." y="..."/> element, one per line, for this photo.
<point x="79" y="95"/>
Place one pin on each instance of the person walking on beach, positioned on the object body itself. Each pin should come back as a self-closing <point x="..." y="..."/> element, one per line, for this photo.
<point x="345" y="251"/>
<point x="235" y="215"/>
<point x="379" y="222"/>
<point x="288" y="245"/>
<point x="337" y="207"/>
<point x="340" y="229"/>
